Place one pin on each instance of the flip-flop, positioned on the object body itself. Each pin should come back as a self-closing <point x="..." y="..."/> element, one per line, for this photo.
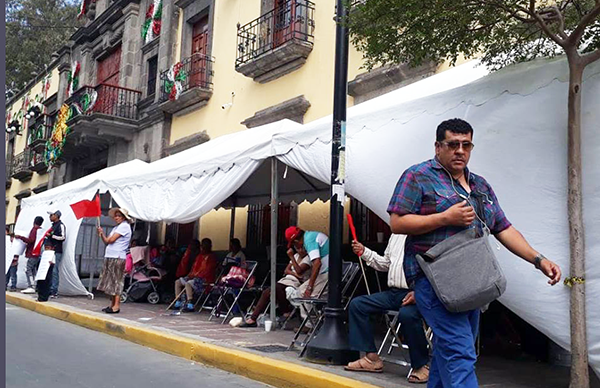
<point x="414" y="379"/>
<point x="364" y="365"/>
<point x="106" y="309"/>
<point x="111" y="311"/>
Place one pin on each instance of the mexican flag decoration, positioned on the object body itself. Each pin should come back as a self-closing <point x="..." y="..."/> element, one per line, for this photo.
<point x="73" y="80"/>
<point x="152" y="23"/>
<point x="56" y="143"/>
<point x="85" y="7"/>
<point x="176" y="76"/>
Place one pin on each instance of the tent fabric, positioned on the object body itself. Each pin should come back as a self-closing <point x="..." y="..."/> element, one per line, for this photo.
<point x="183" y="187"/>
<point x="60" y="198"/>
<point x="519" y="116"/>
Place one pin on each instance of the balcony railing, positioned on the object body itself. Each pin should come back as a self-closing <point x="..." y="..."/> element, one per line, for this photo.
<point x="289" y="20"/>
<point x="37" y="163"/>
<point x="105" y="99"/>
<point x="195" y="71"/>
<point x="39" y="133"/>
<point x="20" y="167"/>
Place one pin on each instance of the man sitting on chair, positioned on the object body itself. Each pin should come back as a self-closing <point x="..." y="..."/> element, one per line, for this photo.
<point x="397" y="298"/>
<point x="202" y="273"/>
<point x="296" y="272"/>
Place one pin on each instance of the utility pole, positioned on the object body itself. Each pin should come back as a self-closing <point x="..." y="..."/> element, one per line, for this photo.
<point x="330" y="344"/>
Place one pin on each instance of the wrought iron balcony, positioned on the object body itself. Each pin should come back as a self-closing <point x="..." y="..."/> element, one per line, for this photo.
<point x="37" y="163"/>
<point x="102" y="114"/>
<point x="276" y="43"/>
<point x="20" y="166"/>
<point x="39" y="132"/>
<point x="109" y="100"/>
<point x="186" y="83"/>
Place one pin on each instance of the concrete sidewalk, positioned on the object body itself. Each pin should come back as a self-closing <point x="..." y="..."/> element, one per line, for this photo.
<point x="257" y="354"/>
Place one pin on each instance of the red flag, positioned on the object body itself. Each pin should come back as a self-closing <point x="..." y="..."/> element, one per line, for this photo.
<point x="87" y="208"/>
<point x="351" y="225"/>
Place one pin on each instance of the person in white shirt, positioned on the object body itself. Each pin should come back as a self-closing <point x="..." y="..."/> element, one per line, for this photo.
<point x="397" y="297"/>
<point x="113" y="270"/>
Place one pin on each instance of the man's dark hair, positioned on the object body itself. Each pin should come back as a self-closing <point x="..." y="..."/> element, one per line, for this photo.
<point x="207" y="241"/>
<point x="38" y="221"/>
<point x="454" y="126"/>
<point x="236" y="243"/>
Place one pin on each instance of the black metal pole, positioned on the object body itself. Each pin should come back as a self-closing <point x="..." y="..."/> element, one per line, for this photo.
<point x="330" y="344"/>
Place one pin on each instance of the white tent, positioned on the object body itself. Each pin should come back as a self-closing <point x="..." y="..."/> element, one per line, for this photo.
<point x="60" y="198"/>
<point x="520" y="117"/>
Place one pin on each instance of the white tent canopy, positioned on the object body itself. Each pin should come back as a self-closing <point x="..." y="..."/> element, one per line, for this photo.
<point x="225" y="171"/>
<point x="519" y="115"/>
<point x="60" y="198"/>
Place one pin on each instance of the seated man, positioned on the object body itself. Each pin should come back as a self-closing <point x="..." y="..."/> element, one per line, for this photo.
<point x="316" y="244"/>
<point x="397" y="297"/>
<point x="295" y="274"/>
<point x="202" y="273"/>
<point x="235" y="255"/>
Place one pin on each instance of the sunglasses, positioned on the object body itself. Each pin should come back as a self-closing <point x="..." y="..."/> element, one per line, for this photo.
<point x="455" y="145"/>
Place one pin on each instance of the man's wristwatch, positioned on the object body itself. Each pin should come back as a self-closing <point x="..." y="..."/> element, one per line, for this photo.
<point x="537" y="261"/>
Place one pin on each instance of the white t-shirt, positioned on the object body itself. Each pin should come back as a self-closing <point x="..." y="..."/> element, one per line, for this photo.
<point x="118" y="249"/>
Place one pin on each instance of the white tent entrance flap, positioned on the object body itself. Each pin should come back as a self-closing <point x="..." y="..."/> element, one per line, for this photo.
<point x="519" y="115"/>
<point x="60" y="198"/>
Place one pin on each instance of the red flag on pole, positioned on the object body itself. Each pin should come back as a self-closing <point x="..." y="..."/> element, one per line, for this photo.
<point x="87" y="208"/>
<point x="351" y="225"/>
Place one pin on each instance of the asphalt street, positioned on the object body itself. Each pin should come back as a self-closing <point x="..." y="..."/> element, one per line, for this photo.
<point x="45" y="352"/>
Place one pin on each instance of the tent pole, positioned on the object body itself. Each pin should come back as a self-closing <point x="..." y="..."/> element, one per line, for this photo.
<point x="274" y="211"/>
<point x="232" y="222"/>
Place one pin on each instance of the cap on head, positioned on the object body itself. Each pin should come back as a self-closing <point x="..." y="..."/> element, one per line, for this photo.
<point x="55" y="212"/>
<point x="291" y="234"/>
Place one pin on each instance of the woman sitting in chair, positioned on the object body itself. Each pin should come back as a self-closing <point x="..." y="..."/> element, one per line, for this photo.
<point x="202" y="273"/>
<point x="296" y="272"/>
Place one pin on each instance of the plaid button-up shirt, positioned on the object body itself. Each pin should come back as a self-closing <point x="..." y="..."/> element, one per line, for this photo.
<point x="427" y="188"/>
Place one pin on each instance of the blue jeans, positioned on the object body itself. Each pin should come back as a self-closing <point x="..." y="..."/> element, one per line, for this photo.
<point x="454" y="334"/>
<point x="55" y="274"/>
<point x="361" y="331"/>
<point x="12" y="276"/>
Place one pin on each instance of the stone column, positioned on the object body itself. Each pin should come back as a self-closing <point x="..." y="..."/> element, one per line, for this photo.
<point x="131" y="48"/>
<point x="168" y="40"/>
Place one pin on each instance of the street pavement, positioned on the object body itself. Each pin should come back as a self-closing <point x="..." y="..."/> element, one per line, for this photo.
<point x="45" y="352"/>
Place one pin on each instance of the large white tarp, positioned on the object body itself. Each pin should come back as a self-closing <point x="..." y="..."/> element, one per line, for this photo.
<point x="519" y="115"/>
<point x="183" y="187"/>
<point x="60" y="198"/>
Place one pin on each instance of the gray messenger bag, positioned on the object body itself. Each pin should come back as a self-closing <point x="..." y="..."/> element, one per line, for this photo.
<point x="463" y="271"/>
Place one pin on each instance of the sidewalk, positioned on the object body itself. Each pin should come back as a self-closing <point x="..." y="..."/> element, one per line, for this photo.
<point x="257" y="354"/>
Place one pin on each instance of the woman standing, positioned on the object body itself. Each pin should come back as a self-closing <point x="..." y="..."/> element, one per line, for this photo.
<point x="113" y="270"/>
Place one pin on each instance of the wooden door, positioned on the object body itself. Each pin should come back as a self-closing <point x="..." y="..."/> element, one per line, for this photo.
<point x="107" y="77"/>
<point x="199" y="68"/>
<point x="283" y="17"/>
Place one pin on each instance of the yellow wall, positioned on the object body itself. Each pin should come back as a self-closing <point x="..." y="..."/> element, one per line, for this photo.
<point x="314" y="79"/>
<point x="21" y="143"/>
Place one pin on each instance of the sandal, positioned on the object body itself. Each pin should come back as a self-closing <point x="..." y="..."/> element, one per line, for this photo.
<point x="109" y="310"/>
<point x="106" y="309"/>
<point x="420" y="378"/>
<point x="365" y="365"/>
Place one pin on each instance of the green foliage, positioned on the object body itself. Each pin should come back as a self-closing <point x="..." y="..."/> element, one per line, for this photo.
<point x="501" y="31"/>
<point x="34" y="30"/>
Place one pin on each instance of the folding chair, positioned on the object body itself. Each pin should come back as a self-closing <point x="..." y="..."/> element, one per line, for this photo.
<point x="210" y="291"/>
<point x="315" y="311"/>
<point x="393" y="330"/>
<point x="257" y="291"/>
<point x="236" y="292"/>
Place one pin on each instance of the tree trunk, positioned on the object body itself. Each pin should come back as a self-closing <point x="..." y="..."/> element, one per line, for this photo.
<point x="579" y="353"/>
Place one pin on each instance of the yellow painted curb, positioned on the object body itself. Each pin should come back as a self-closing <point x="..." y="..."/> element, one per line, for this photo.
<point x="268" y="370"/>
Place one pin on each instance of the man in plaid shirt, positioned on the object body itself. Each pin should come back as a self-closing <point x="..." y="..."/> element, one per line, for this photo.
<point x="433" y="201"/>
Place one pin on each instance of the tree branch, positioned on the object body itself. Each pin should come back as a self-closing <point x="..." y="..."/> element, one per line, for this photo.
<point x="561" y="42"/>
<point x="583" y="23"/>
<point x="591" y="57"/>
